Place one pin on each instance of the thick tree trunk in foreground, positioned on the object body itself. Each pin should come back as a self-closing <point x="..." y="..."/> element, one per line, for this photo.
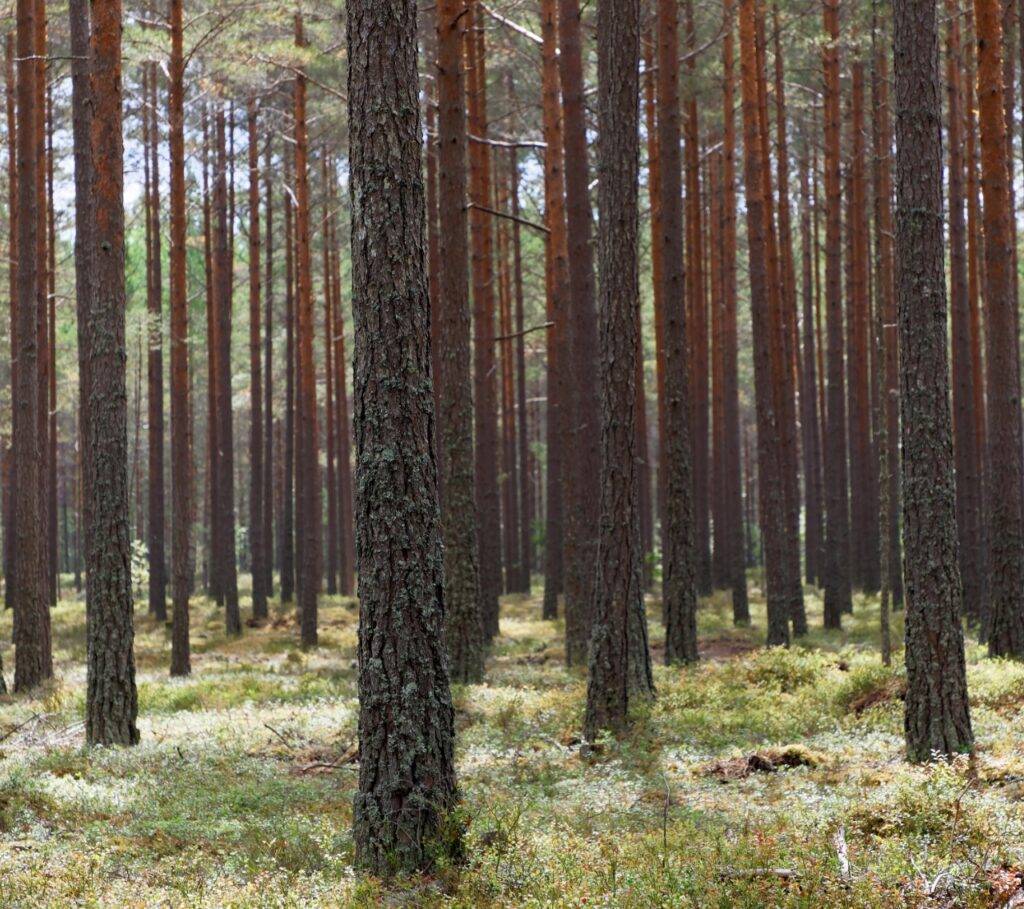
<point x="1006" y="533"/>
<point x="620" y="663"/>
<point x="406" y="720"/>
<point x="936" y="715"/>
<point x="181" y="408"/>
<point x="679" y="595"/>
<point x="463" y="625"/>
<point x="111" y="699"/>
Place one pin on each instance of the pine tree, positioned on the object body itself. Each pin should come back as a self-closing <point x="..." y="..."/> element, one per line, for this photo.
<point x="111" y="699"/>
<point x="837" y="520"/>
<point x="620" y="664"/>
<point x="181" y="407"/>
<point x="1006" y="528"/>
<point x="308" y="508"/>
<point x="936" y="718"/>
<point x="406" y="720"/>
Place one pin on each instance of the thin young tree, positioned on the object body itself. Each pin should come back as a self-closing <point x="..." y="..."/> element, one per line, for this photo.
<point x="111" y="698"/>
<point x="463" y="613"/>
<point x="156" y="543"/>
<point x="287" y="552"/>
<point x="556" y="279"/>
<point x="257" y="544"/>
<point x="268" y="367"/>
<point x="936" y="717"/>
<point x="224" y="455"/>
<point x="620" y="663"/>
<point x="406" y="719"/>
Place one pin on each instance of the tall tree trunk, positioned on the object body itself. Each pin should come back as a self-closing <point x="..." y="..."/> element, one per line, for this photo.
<point x="556" y="272"/>
<point x="886" y="303"/>
<point x="268" y="372"/>
<point x="484" y="372"/>
<point x="287" y="557"/>
<point x="10" y="462"/>
<point x="463" y="609"/>
<point x="837" y="513"/>
<point x="331" y="559"/>
<point x="257" y="544"/>
<point x="111" y="699"/>
<point x="406" y="720"/>
<point x="786" y="354"/>
<point x="33" y="661"/>
<point x="44" y="364"/>
<point x="975" y="280"/>
<point x="697" y="323"/>
<point x="657" y="277"/>
<point x="863" y="474"/>
<point x="679" y="595"/>
<point x="347" y="560"/>
<point x="308" y="519"/>
<point x="936" y="715"/>
<point x="224" y="503"/>
<point x="181" y="409"/>
<point x="155" y="375"/>
<point x="523" y="441"/>
<point x="730" y="355"/>
<point x="620" y="662"/>
<point x="1006" y="533"/>
<point x="968" y="474"/>
<point x="582" y="460"/>
<point x="51" y="338"/>
<point x="766" y="331"/>
<point x="213" y="515"/>
<point x="814" y="543"/>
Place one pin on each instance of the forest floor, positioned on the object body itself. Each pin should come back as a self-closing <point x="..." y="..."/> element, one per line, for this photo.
<point x="757" y="778"/>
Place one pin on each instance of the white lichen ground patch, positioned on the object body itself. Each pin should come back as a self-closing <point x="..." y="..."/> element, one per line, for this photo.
<point x="757" y="778"/>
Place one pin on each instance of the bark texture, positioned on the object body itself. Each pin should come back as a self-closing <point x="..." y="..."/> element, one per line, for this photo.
<point x="620" y="663"/>
<point x="679" y="594"/>
<point x="463" y="626"/>
<point x="936" y="718"/>
<point x="111" y="698"/>
<point x="406" y="720"/>
<point x="1002" y="357"/>
<point x="181" y="407"/>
